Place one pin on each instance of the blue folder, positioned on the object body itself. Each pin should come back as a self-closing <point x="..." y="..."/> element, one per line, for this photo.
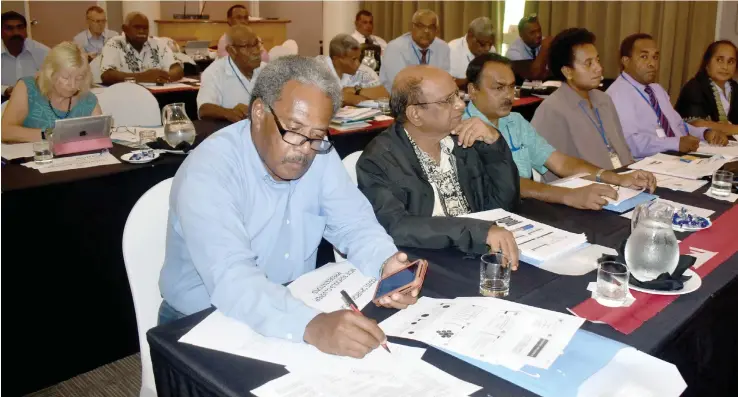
<point x="631" y="203"/>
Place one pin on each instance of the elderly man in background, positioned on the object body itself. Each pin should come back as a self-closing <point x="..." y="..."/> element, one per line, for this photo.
<point x="420" y="46"/>
<point x="21" y="56"/>
<point x="479" y="40"/>
<point x="359" y="82"/>
<point x="93" y="39"/>
<point x="250" y="206"/>
<point x="226" y="85"/>
<point x="364" y="24"/>
<point x="238" y="15"/>
<point x="135" y="54"/>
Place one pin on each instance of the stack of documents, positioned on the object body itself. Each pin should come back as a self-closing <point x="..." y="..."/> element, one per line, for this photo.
<point x="351" y="118"/>
<point x="729" y="151"/>
<point x="537" y="242"/>
<point x="627" y="198"/>
<point x="491" y="330"/>
<point x="676" y="166"/>
<point x="74" y="162"/>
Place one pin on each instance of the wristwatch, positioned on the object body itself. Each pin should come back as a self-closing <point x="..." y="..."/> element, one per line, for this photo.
<point x="357" y="89"/>
<point x="599" y="175"/>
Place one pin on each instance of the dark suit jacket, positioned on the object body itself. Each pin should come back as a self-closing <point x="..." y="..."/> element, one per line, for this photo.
<point x="391" y="177"/>
<point x="696" y="100"/>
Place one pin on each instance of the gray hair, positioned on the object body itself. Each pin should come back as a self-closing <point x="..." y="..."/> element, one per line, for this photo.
<point x="425" y="12"/>
<point x="482" y="27"/>
<point x="342" y="44"/>
<point x="306" y="70"/>
<point x="405" y="92"/>
<point x="134" y="14"/>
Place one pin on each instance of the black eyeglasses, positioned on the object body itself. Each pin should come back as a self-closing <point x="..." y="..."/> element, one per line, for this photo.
<point x="322" y="146"/>
<point x="449" y="100"/>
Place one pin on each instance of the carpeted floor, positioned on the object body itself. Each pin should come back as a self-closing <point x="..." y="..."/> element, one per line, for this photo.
<point x="121" y="378"/>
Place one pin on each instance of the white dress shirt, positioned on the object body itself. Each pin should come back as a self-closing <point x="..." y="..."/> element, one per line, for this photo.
<point x="461" y="55"/>
<point x="91" y="44"/>
<point x="27" y="63"/>
<point x="118" y="54"/>
<point x="223" y="84"/>
<point x="724" y="95"/>
<point x="364" y="76"/>
<point x="376" y="39"/>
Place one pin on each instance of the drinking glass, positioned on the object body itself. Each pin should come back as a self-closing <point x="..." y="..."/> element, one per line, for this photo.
<point x="722" y="183"/>
<point x="42" y="154"/>
<point x="147" y="136"/>
<point x="384" y="106"/>
<point x="494" y="275"/>
<point x="612" y="284"/>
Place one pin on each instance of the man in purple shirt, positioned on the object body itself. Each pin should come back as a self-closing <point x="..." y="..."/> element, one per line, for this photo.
<point x="650" y="123"/>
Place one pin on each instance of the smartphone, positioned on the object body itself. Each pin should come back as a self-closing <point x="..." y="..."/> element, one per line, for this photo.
<point x="401" y="280"/>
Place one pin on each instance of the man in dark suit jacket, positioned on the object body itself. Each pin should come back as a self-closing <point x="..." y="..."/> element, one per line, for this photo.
<point x="430" y="167"/>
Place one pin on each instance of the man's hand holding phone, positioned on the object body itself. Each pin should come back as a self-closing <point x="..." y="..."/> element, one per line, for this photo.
<point x="397" y="300"/>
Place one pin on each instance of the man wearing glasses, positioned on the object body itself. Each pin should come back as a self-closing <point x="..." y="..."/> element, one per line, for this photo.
<point x="249" y="207"/>
<point x="420" y="46"/>
<point x="479" y="40"/>
<point x="93" y="39"/>
<point x="431" y="167"/>
<point x="226" y="85"/>
<point x="530" y="46"/>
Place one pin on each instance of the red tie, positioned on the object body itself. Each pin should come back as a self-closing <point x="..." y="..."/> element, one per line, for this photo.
<point x="423" y="60"/>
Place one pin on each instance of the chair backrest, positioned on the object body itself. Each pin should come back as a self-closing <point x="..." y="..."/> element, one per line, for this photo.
<point x="144" y="241"/>
<point x="291" y="45"/>
<point x="95" y="69"/>
<point x="278" y="51"/>
<point x="130" y="105"/>
<point x="350" y="163"/>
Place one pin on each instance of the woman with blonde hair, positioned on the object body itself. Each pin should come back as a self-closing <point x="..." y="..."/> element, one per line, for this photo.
<point x="60" y="90"/>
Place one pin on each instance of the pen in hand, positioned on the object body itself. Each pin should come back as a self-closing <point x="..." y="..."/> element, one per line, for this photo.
<point x="352" y="305"/>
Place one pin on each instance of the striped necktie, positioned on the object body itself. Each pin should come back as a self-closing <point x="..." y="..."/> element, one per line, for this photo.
<point x="423" y="59"/>
<point x="663" y="121"/>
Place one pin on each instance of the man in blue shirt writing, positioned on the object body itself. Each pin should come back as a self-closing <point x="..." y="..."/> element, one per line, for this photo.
<point x="250" y="205"/>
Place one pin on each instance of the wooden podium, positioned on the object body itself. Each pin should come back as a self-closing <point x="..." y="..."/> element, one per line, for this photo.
<point x="272" y="31"/>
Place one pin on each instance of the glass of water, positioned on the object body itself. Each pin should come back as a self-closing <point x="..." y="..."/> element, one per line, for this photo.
<point x="494" y="275"/>
<point x="384" y="106"/>
<point x="42" y="152"/>
<point x="612" y="284"/>
<point x="722" y="183"/>
<point x="147" y="136"/>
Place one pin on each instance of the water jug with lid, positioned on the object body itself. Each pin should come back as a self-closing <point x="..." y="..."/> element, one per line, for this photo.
<point x="652" y="247"/>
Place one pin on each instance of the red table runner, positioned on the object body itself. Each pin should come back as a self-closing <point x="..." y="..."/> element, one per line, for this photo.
<point x="720" y="238"/>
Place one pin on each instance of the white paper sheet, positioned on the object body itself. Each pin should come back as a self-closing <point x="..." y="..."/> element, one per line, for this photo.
<point x="535" y="240"/>
<point x="728" y="151"/>
<point x="675" y="183"/>
<point x="75" y="162"/>
<point x="701" y="255"/>
<point x="168" y="86"/>
<point x="11" y="151"/>
<point x="703" y="212"/>
<point x="674" y="166"/>
<point x="134" y="136"/>
<point x="321" y="288"/>
<point x="592" y="287"/>
<point x="577" y="263"/>
<point x="731" y="198"/>
<point x="624" y="193"/>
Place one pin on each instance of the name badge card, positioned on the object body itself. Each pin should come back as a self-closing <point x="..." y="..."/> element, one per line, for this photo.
<point x="660" y="133"/>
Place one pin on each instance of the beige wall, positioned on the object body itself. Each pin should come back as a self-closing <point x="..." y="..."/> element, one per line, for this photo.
<point x="306" y="27"/>
<point x="16" y="6"/>
<point x="728" y="21"/>
<point x="115" y="15"/>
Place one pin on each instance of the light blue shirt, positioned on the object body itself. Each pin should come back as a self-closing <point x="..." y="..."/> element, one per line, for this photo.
<point x="27" y="63"/>
<point x="92" y="44"/>
<point x="529" y="149"/>
<point x="519" y="51"/>
<point x="235" y="235"/>
<point x="403" y="51"/>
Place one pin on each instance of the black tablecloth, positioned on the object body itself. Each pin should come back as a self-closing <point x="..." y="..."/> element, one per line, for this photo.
<point x="696" y="332"/>
<point x="189" y="98"/>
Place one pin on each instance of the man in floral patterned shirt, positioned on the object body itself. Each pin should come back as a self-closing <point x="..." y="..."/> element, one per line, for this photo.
<point x="135" y="54"/>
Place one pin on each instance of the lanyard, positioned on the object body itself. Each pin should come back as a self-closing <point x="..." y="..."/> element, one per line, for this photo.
<point x="598" y="125"/>
<point x="237" y="76"/>
<point x="648" y="101"/>
<point x="513" y="148"/>
<point x="417" y="55"/>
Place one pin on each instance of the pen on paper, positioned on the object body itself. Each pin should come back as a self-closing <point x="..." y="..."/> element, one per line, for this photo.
<point x="355" y="309"/>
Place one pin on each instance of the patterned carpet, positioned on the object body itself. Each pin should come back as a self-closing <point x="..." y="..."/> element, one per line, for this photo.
<point x="121" y="378"/>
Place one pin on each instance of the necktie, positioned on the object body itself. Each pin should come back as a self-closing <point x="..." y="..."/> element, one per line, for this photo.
<point x="368" y="40"/>
<point x="663" y="121"/>
<point x="423" y="59"/>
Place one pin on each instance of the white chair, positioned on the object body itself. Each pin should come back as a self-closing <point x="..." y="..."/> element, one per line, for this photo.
<point x="277" y="52"/>
<point x="291" y="45"/>
<point x="350" y="163"/>
<point x="144" y="239"/>
<point x="130" y="105"/>
<point x="95" y="70"/>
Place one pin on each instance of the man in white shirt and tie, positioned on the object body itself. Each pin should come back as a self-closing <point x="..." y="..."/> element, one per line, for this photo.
<point x="93" y="39"/>
<point x="226" y="84"/>
<point x="21" y="56"/>
<point x="479" y="39"/>
<point x="364" y="24"/>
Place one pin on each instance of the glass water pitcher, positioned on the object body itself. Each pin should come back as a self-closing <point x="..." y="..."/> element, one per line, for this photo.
<point x="177" y="126"/>
<point x="652" y="247"/>
<point x="369" y="59"/>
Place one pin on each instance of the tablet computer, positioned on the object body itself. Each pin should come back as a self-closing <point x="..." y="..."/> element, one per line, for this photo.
<point x="82" y="134"/>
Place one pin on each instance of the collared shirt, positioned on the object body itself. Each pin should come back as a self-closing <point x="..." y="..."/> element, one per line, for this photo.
<point x="225" y="40"/>
<point x="461" y="55"/>
<point x="223" y="84"/>
<point x="724" y="96"/>
<point x="529" y="149"/>
<point x="403" y="51"/>
<point x="519" y="51"/>
<point x="27" y="63"/>
<point x="118" y="54"/>
<point x="567" y="122"/>
<point x="364" y="76"/>
<point x="639" y="119"/>
<point x="92" y="44"/>
<point x="235" y="235"/>
<point x="376" y="39"/>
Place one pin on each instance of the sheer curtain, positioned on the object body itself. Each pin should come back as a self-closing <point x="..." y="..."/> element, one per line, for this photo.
<point x="392" y="18"/>
<point x="683" y="29"/>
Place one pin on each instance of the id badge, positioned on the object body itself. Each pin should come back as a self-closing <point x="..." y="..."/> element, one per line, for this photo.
<point x="660" y="133"/>
<point x="615" y="160"/>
